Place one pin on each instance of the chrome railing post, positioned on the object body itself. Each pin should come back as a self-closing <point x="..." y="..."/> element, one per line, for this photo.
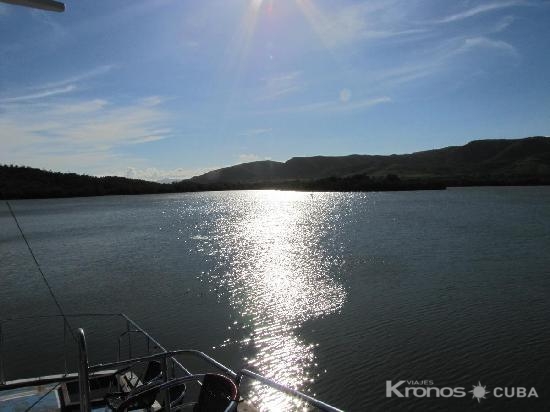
<point x="166" y="394"/>
<point x="65" y="346"/>
<point x="156" y="344"/>
<point x="2" y="376"/>
<point x="119" y="350"/>
<point x="129" y="340"/>
<point x="83" y="377"/>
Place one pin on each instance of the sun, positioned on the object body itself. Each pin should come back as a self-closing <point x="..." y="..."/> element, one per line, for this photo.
<point x="478" y="391"/>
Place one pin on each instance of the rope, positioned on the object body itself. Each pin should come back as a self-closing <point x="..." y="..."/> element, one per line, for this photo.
<point x="41" y="272"/>
<point x="42" y="397"/>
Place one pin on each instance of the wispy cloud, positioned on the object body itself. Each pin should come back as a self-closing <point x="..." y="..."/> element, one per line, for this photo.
<point x="436" y="48"/>
<point x="502" y="24"/>
<point x="334" y="106"/>
<point x="375" y="20"/>
<point x="481" y="9"/>
<point x="76" y="78"/>
<point x="161" y="175"/>
<point x="255" y="132"/>
<point x="345" y="106"/>
<point x="77" y="135"/>
<point x="487" y="43"/>
<point x="443" y="59"/>
<point x="407" y="72"/>
<point x="281" y="85"/>
<point x="39" y="95"/>
<point x="49" y="124"/>
<point x="66" y="85"/>
<point x="250" y="157"/>
<point x="152" y="101"/>
<point x="82" y="107"/>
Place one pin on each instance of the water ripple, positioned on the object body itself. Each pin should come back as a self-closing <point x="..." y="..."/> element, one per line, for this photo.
<point x="277" y="276"/>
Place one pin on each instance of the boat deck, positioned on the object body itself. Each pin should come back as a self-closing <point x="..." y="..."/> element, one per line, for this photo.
<point x="43" y="397"/>
<point x="153" y="377"/>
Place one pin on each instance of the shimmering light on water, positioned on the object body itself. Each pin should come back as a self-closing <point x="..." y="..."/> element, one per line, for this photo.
<point x="346" y="289"/>
<point x="277" y="278"/>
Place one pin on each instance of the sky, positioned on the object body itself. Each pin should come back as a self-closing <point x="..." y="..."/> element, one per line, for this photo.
<point x="168" y="89"/>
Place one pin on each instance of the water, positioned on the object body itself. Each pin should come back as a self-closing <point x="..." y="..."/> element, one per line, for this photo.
<point x="332" y="293"/>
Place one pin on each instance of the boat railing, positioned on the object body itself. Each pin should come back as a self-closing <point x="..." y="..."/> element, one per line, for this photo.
<point x="237" y="376"/>
<point x="164" y="356"/>
<point x="83" y="372"/>
<point x="131" y="329"/>
<point x="285" y="389"/>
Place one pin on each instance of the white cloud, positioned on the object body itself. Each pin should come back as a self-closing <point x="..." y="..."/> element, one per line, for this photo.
<point x="67" y="85"/>
<point x="281" y="84"/>
<point x="441" y="58"/>
<point x="502" y="24"/>
<point x="368" y="23"/>
<point x="438" y="48"/>
<point x="255" y="132"/>
<point x="161" y="175"/>
<point x="347" y="105"/>
<point x="250" y="157"/>
<point x="483" y="8"/>
<point x="77" y="134"/>
<point x="335" y="106"/>
<point x="39" y="95"/>
<point x="152" y="101"/>
<point x="486" y="43"/>
<point x="407" y="72"/>
<point x="97" y="71"/>
<point x="85" y="106"/>
<point x="363" y="21"/>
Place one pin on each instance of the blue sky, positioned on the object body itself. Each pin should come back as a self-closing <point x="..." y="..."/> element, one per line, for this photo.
<point x="168" y="89"/>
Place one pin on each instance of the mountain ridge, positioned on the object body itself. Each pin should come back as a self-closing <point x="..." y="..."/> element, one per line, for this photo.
<point x="492" y="157"/>
<point x="500" y="162"/>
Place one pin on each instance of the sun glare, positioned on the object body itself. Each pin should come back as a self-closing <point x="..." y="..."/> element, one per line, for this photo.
<point x="279" y="278"/>
<point x="257" y="3"/>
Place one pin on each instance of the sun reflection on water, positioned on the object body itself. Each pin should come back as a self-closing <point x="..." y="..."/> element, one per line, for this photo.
<point x="277" y="277"/>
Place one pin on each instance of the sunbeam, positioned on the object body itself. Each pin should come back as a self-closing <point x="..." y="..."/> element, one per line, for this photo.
<point x="316" y="19"/>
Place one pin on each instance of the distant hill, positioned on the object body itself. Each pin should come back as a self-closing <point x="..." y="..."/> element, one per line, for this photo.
<point x="478" y="163"/>
<point x="492" y="160"/>
<point x="18" y="182"/>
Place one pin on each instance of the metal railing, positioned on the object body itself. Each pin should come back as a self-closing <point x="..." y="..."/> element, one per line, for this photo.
<point x="83" y="372"/>
<point x="132" y="328"/>
<point x="237" y="376"/>
<point x="285" y="389"/>
<point x="164" y="356"/>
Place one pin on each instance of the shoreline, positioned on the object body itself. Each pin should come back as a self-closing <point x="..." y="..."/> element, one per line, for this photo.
<point x="275" y="189"/>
